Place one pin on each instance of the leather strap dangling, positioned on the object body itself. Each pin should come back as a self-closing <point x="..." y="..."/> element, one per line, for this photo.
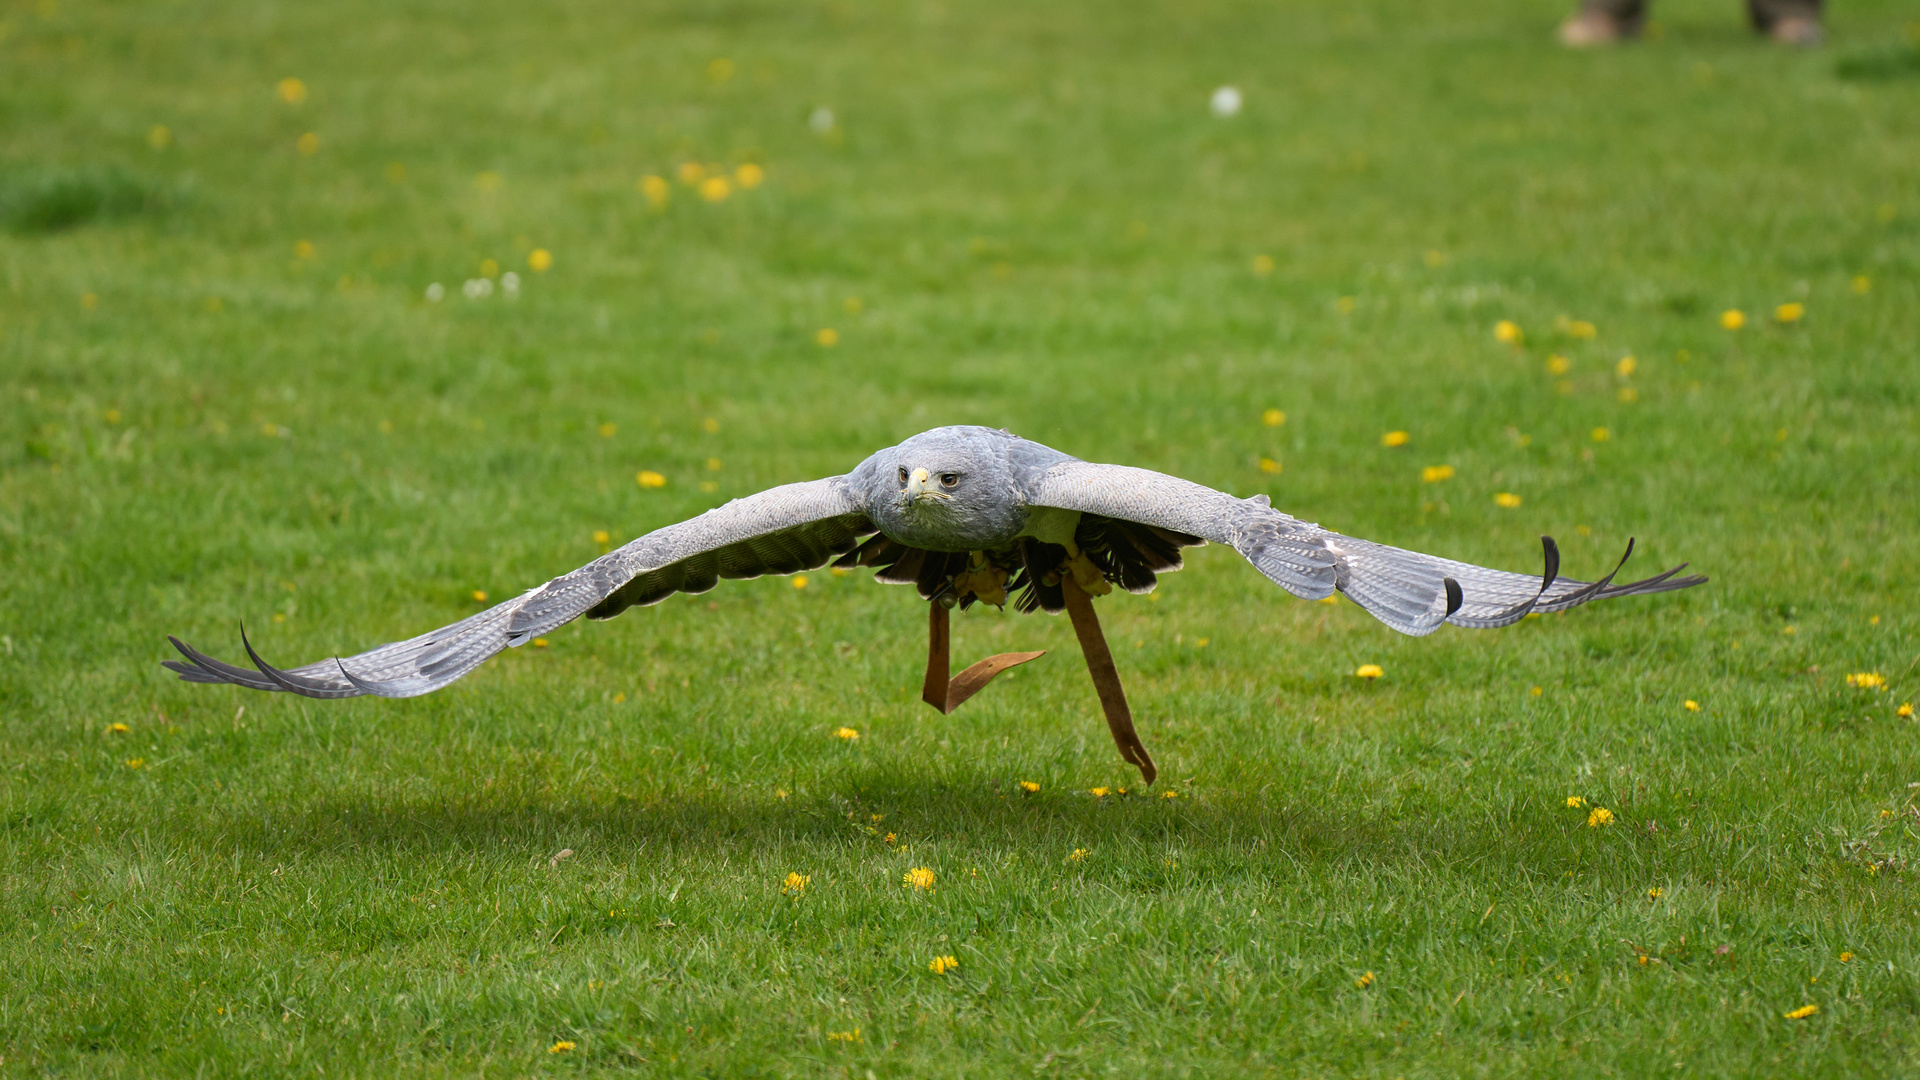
<point x="1106" y="678"/>
<point x="944" y="694"/>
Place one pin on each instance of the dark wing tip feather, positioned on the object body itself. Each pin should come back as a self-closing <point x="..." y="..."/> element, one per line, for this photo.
<point x="1455" y="597"/>
<point x="221" y="671"/>
<point x="299" y="684"/>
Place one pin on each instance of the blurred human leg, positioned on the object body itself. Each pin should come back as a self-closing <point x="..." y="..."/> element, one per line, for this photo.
<point x="1789" y="22"/>
<point x="1603" y="22"/>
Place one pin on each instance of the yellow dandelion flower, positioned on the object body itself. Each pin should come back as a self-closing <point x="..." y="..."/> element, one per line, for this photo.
<point x="1862" y="284"/>
<point x="1867" y="680"/>
<point x="489" y="268"/>
<point x="1395" y="438"/>
<point x="608" y="429"/>
<point x="1626" y="367"/>
<point x="479" y="596"/>
<point x="1369" y="671"/>
<point x="291" y="90"/>
<point x="619" y="697"/>
<point x="749" y="176"/>
<point x="159" y="136"/>
<point x="1099" y="792"/>
<point x="795" y="884"/>
<point x="1802" y="1012"/>
<point x="692" y="172"/>
<point x="1537" y="691"/>
<point x="826" y="337"/>
<point x="1575" y="802"/>
<point x="1273" y="418"/>
<point x="1601" y="434"/>
<point x="1600" y="816"/>
<point x="799" y="581"/>
<point x="308" y="144"/>
<point x="1846" y="958"/>
<point x="1344" y="305"/>
<point x="1079" y="854"/>
<point x="890" y="838"/>
<point x="716" y="188"/>
<point x="1270" y="466"/>
<point x="303" y="249"/>
<point x="845" y="733"/>
<point x="1905" y="710"/>
<point x="1263" y="265"/>
<point x="1507" y="332"/>
<point x="1169" y="794"/>
<point x="541" y="643"/>
<point x="1506" y="500"/>
<point x="720" y="69"/>
<point x="1029" y="787"/>
<point x="1654" y="893"/>
<point x="560" y="1047"/>
<point x="1434" y="474"/>
<point x="1580" y="328"/>
<point x="1558" y="365"/>
<point x="713" y="464"/>
<point x="919" y="877"/>
<point x="118" y="729"/>
<point x="647" y="478"/>
<point x="942" y="964"/>
<point x="136" y="762"/>
<point x="656" y="189"/>
<point x="540" y="260"/>
<point x="710" y="425"/>
<point x="486" y="181"/>
<point x="1692" y="705"/>
<point x="1733" y="319"/>
<point x="1790" y="312"/>
<point x="845" y="1036"/>
<point x="1364" y="981"/>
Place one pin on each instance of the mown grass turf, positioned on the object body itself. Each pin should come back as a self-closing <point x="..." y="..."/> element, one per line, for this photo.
<point x="1021" y="215"/>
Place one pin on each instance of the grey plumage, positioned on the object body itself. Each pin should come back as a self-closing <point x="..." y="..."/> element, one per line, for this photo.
<point x="942" y="501"/>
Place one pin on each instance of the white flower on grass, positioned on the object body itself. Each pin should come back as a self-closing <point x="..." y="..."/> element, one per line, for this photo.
<point x="1226" y="101"/>
<point x="510" y="282"/>
<point x="822" y="120"/>
<point x="478" y="288"/>
<point x="436" y="292"/>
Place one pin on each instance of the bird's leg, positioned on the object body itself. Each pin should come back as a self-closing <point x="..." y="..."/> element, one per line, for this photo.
<point x="1106" y="678"/>
<point x="946" y="694"/>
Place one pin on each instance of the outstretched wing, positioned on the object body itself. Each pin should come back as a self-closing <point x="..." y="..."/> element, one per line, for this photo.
<point x="779" y="531"/>
<point x="1411" y="592"/>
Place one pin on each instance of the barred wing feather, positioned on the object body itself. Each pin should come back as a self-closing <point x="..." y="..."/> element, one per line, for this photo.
<point x="778" y="531"/>
<point x="1409" y="591"/>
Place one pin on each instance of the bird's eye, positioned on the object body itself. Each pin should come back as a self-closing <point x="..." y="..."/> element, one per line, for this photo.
<point x="903" y="478"/>
<point x="948" y="480"/>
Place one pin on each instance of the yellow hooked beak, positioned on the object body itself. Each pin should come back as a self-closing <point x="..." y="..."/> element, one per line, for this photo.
<point x="919" y="485"/>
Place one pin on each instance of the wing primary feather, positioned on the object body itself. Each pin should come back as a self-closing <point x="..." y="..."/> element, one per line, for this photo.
<point x="1548" y="575"/>
<point x="1585" y="593"/>
<point x="1454" y="596"/>
<point x="225" y="672"/>
<point x="378" y="689"/>
<point x="299" y="684"/>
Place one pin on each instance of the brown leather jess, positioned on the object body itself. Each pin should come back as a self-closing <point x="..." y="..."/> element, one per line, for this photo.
<point x="947" y="694"/>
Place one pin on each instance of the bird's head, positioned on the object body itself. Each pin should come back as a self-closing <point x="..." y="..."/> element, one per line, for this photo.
<point x="951" y="482"/>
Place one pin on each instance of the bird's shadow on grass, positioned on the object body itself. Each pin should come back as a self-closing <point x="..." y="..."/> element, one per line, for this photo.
<point x="861" y="809"/>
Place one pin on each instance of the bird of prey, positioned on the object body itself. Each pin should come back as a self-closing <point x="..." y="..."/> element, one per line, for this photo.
<point x="965" y="514"/>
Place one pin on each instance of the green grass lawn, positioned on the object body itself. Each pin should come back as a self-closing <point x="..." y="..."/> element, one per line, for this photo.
<point x="225" y="397"/>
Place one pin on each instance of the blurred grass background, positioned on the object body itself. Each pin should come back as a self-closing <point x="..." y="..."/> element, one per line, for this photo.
<point x="225" y="395"/>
